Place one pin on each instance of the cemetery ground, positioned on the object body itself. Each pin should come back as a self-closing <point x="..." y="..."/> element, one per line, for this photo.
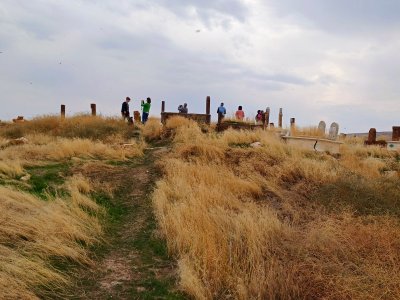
<point x="95" y="209"/>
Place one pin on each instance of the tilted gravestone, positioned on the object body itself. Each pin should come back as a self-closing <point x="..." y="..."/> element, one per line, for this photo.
<point x="333" y="131"/>
<point x="322" y="127"/>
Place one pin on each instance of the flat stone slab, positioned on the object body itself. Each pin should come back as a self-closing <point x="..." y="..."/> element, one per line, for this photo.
<point x="314" y="143"/>
<point x="393" y="145"/>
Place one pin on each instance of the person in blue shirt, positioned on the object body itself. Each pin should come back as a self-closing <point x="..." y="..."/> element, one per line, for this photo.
<point x="221" y="111"/>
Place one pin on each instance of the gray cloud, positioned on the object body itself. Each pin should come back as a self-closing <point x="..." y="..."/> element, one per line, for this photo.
<point x="341" y="15"/>
<point x="319" y="59"/>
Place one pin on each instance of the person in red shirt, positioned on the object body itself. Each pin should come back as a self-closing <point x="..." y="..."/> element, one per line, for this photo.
<point x="239" y="114"/>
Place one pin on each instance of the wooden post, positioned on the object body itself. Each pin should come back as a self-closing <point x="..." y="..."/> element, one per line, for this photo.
<point x="267" y="116"/>
<point x="208" y="110"/>
<point x="162" y="111"/>
<point x="93" y="107"/>
<point x="280" y="118"/>
<point x="396" y="133"/>
<point x="62" y="111"/>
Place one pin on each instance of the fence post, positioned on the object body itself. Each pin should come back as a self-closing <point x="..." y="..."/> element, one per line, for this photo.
<point x="93" y="107"/>
<point x="208" y="109"/>
<point x="62" y="111"/>
<point x="162" y="112"/>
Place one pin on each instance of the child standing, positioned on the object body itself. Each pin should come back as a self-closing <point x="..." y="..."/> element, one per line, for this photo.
<point x="146" y="109"/>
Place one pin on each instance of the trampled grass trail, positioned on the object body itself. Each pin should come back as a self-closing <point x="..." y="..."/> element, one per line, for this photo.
<point x="133" y="262"/>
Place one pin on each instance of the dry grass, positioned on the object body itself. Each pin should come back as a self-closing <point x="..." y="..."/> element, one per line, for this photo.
<point x="37" y="234"/>
<point x="47" y="148"/>
<point x="34" y="233"/>
<point x="306" y="131"/>
<point x="79" y="126"/>
<point x="152" y="129"/>
<point x="247" y="223"/>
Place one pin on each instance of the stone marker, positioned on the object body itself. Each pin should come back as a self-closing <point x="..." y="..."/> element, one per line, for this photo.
<point x="396" y="133"/>
<point x="372" y="136"/>
<point x="333" y="131"/>
<point x="280" y="118"/>
<point x="322" y="127"/>
<point x="267" y="116"/>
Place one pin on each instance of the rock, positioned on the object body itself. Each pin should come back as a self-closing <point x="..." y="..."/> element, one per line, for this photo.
<point x="391" y="174"/>
<point x="19" y="141"/>
<point x="333" y="131"/>
<point x="256" y="145"/>
<point x="19" y="119"/>
<point x="26" y="177"/>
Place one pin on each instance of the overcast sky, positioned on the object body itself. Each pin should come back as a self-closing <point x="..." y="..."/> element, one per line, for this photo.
<point x="331" y="60"/>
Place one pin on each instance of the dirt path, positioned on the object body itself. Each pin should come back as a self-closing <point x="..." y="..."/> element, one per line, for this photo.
<point x="133" y="263"/>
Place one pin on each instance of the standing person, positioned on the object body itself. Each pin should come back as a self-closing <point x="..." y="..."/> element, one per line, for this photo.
<point x="125" y="108"/>
<point x="221" y="111"/>
<point x="239" y="113"/>
<point x="146" y="109"/>
<point x="259" y="117"/>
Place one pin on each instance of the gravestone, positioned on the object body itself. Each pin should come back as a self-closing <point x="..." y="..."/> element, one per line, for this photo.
<point x="396" y="133"/>
<point x="280" y="118"/>
<point x="372" y="136"/>
<point x="333" y="131"/>
<point x="322" y="127"/>
<point x="267" y="111"/>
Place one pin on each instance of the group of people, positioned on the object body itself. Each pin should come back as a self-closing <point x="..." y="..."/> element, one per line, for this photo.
<point x="145" y="106"/>
<point x="239" y="114"/>
<point x="221" y="111"/>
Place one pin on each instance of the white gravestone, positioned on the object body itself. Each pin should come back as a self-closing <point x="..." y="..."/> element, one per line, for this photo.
<point x="333" y="131"/>
<point x="322" y="127"/>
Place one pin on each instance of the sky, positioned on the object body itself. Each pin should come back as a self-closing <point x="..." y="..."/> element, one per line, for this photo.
<point x="331" y="60"/>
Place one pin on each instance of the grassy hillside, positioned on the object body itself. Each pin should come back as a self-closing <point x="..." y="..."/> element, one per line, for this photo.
<point x="276" y="222"/>
<point x="232" y="220"/>
<point x="49" y="217"/>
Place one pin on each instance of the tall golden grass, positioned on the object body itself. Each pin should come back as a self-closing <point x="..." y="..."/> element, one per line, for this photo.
<point x="243" y="222"/>
<point x="35" y="233"/>
<point x="78" y="126"/>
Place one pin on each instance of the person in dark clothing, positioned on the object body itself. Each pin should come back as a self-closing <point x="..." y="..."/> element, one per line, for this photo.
<point x="183" y="109"/>
<point x="125" y="108"/>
